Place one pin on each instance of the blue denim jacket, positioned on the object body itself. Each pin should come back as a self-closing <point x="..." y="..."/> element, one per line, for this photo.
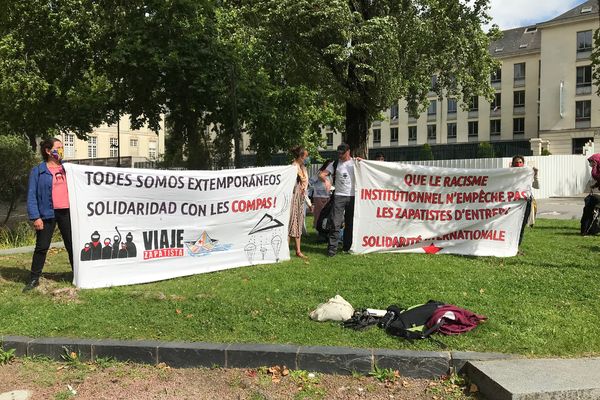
<point x="39" y="194"/>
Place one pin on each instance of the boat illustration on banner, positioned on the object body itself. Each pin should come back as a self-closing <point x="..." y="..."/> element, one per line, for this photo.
<point x="205" y="245"/>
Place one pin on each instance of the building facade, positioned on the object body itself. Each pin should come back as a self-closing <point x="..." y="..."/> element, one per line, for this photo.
<point x="544" y="97"/>
<point x="104" y="143"/>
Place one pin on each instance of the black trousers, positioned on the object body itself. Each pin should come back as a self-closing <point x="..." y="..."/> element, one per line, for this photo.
<point x="525" y="219"/>
<point x="62" y="218"/>
<point x="342" y="211"/>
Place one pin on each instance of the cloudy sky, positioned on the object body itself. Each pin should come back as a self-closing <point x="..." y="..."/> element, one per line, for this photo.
<point x="515" y="13"/>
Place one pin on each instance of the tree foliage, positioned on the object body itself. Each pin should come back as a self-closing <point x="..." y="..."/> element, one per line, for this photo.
<point x="47" y="77"/>
<point x="17" y="160"/>
<point x="367" y="54"/>
<point x="426" y="153"/>
<point x="596" y="57"/>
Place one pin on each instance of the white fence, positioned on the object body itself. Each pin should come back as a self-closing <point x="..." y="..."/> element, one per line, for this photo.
<point x="558" y="175"/>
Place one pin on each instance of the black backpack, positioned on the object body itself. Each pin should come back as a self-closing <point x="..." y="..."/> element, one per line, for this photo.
<point x="590" y="219"/>
<point x="410" y="323"/>
<point x="324" y="220"/>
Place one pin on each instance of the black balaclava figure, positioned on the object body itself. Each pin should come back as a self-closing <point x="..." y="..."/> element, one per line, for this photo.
<point x="107" y="249"/>
<point x="131" y="250"/>
<point x="96" y="246"/>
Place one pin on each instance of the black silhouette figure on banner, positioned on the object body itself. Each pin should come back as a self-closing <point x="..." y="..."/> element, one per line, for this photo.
<point x="117" y="240"/>
<point x="131" y="250"/>
<point x="96" y="246"/>
<point x="107" y="249"/>
<point x="86" y="253"/>
<point x="123" y="251"/>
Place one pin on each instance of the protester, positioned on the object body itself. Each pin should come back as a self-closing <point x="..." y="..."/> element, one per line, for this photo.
<point x="343" y="198"/>
<point x="379" y="156"/>
<point x="48" y="206"/>
<point x="529" y="217"/>
<point x="594" y="161"/>
<point x="320" y="192"/>
<point x="298" y="198"/>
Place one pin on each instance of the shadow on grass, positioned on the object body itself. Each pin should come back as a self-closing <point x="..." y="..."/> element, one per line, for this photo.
<point x="20" y="275"/>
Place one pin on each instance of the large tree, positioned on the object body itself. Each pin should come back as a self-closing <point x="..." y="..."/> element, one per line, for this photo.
<point x="47" y="77"/>
<point x="367" y="54"/>
<point x="596" y="55"/>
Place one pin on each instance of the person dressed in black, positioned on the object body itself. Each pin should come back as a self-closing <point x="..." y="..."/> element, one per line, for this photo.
<point x="48" y="206"/>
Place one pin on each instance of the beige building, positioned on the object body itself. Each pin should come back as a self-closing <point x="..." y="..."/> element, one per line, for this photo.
<point x="141" y="145"/>
<point x="544" y="98"/>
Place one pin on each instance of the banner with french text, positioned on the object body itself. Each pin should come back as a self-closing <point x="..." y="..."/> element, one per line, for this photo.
<point x="419" y="209"/>
<point x="140" y="225"/>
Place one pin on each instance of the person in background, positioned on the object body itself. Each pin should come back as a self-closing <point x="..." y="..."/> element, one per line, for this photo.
<point x="519" y="161"/>
<point x="379" y="156"/>
<point x="320" y="192"/>
<point x="594" y="162"/>
<point x="48" y="206"/>
<point x="343" y="198"/>
<point x="300" y="193"/>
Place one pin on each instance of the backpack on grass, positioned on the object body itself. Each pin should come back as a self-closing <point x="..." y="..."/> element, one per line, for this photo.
<point x="410" y="323"/>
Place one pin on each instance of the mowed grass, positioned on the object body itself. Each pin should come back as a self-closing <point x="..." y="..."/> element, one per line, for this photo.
<point x="545" y="303"/>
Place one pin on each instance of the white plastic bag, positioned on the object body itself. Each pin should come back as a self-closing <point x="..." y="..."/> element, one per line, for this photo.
<point x="336" y="309"/>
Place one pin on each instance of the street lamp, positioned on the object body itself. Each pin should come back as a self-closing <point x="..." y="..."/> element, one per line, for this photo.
<point x="118" y="145"/>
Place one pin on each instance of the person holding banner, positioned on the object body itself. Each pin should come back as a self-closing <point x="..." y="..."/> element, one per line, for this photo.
<point x="594" y="162"/>
<point x="48" y="206"/>
<point x="321" y="192"/>
<point x="298" y="198"/>
<point x="519" y="161"/>
<point x="343" y="198"/>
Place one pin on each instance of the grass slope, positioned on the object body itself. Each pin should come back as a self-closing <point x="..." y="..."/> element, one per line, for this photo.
<point x="544" y="303"/>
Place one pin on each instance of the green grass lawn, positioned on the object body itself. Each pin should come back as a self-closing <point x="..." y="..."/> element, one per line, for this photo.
<point x="545" y="303"/>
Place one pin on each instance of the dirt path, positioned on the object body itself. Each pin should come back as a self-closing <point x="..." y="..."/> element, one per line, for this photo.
<point x="109" y="380"/>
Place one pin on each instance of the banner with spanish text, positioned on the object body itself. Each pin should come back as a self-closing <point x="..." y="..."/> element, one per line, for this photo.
<point x="413" y="208"/>
<point x="139" y="225"/>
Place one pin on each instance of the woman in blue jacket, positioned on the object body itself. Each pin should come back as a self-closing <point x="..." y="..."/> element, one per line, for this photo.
<point x="48" y="206"/>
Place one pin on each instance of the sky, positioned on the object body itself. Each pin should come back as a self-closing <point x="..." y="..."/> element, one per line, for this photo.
<point x="509" y="14"/>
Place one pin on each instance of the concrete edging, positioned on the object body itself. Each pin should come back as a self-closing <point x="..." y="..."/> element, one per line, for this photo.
<point x="330" y="360"/>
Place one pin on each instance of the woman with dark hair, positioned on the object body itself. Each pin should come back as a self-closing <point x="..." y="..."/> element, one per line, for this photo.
<point x="320" y="192"/>
<point x="594" y="161"/>
<point x="297" y="206"/>
<point x="529" y="217"/>
<point x="48" y="206"/>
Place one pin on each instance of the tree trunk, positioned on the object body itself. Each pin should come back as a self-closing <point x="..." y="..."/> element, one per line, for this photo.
<point x="32" y="142"/>
<point x="11" y="208"/>
<point x="237" y="134"/>
<point x="357" y="130"/>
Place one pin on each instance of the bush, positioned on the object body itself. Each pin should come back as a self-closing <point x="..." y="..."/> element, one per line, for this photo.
<point x="485" y="150"/>
<point x="426" y="153"/>
<point x="546" y="152"/>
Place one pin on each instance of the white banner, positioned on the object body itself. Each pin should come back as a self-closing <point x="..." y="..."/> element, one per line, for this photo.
<point x="413" y="208"/>
<point x="136" y="225"/>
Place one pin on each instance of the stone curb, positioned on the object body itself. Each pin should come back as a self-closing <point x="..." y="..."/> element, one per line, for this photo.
<point x="330" y="360"/>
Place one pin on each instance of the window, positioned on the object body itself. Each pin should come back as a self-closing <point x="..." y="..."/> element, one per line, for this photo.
<point x="133" y="142"/>
<point x="497" y="76"/>
<point x="92" y="151"/>
<point x="584" y="41"/>
<point x="114" y="147"/>
<point x="451" y="130"/>
<point x="152" y="150"/>
<point x="376" y="136"/>
<point x="412" y="133"/>
<point x="394" y="111"/>
<point x="394" y="135"/>
<point x="583" y="110"/>
<point x="495" y="127"/>
<point x="518" y="126"/>
<point x="69" y="145"/>
<point x="519" y="71"/>
<point x="474" y="103"/>
<point x="431" y="132"/>
<point x="433" y="86"/>
<point x="451" y="105"/>
<point x="584" y="76"/>
<point x="519" y="98"/>
<point x="473" y="128"/>
<point x="432" y="109"/>
<point x="329" y="139"/>
<point x="497" y="102"/>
